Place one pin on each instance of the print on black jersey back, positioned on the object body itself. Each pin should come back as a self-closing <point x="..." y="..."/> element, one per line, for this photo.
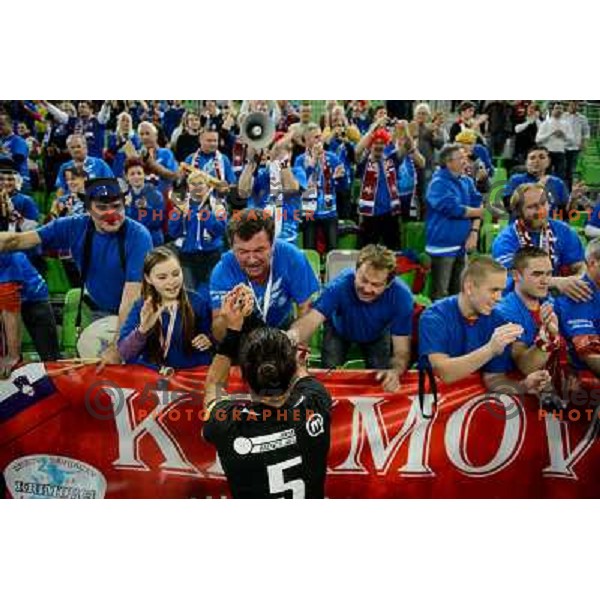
<point x="269" y="452"/>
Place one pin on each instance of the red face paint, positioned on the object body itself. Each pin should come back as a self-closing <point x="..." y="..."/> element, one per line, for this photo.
<point x="112" y="218"/>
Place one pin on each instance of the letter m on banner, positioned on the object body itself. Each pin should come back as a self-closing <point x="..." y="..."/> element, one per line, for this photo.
<point x="369" y="430"/>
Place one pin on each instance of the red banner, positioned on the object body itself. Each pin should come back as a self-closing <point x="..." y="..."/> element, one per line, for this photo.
<point x="71" y="435"/>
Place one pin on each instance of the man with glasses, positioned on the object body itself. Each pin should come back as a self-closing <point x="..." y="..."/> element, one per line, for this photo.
<point x="107" y="247"/>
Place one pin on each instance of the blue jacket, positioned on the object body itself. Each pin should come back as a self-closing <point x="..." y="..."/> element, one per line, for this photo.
<point x="152" y="215"/>
<point x="483" y="154"/>
<point x="201" y="230"/>
<point x="446" y="226"/>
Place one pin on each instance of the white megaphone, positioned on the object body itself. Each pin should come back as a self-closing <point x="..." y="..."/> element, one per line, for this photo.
<point x="258" y="130"/>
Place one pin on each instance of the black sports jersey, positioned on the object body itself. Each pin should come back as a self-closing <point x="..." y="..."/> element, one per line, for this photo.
<point x="269" y="452"/>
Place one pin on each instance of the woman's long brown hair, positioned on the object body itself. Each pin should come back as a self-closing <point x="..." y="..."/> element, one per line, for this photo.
<point x="188" y="320"/>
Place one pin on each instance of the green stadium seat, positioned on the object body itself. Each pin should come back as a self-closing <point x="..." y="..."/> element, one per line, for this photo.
<point x="347" y="235"/>
<point x="591" y="175"/>
<point x="578" y="221"/>
<point x="489" y="232"/>
<point x="315" y="261"/>
<point x="315" y="343"/>
<point x="69" y="334"/>
<point x="500" y="175"/>
<point x="355" y="363"/>
<point x="40" y="200"/>
<point x="423" y="300"/>
<point x="412" y="235"/>
<point x="408" y="278"/>
<point x="56" y="277"/>
<point x="355" y="190"/>
<point x="337" y="260"/>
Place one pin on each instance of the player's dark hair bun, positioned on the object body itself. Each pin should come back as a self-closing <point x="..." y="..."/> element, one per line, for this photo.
<point x="267" y="373"/>
<point x="268" y="361"/>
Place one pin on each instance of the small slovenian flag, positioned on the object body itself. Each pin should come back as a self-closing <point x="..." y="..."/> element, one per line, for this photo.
<point x="27" y="386"/>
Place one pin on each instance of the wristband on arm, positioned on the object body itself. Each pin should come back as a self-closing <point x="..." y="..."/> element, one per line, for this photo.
<point x="230" y="345"/>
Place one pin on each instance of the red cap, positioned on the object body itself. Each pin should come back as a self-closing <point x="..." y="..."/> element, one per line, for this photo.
<point x="381" y="135"/>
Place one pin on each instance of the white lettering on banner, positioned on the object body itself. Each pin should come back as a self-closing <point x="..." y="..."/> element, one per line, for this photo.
<point x="562" y="459"/>
<point x="130" y="436"/>
<point x="368" y="425"/>
<point x="216" y="470"/>
<point x="457" y="434"/>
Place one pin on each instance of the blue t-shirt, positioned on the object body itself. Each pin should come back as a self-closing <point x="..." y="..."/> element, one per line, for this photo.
<point x="325" y="204"/>
<point x="362" y="122"/>
<point x="15" y="148"/>
<point x="92" y="130"/>
<point x="77" y="205"/>
<point x="172" y="118"/>
<point x="115" y="147"/>
<point x="513" y="310"/>
<point x="150" y="214"/>
<point x="207" y="162"/>
<point x="203" y="230"/>
<point x="105" y="279"/>
<point x="165" y="158"/>
<point x="26" y="206"/>
<point x="568" y="248"/>
<point x="94" y="167"/>
<point x="443" y="329"/>
<point x="15" y="267"/>
<point x="343" y="150"/>
<point x="363" y="322"/>
<point x="556" y="189"/>
<point x="595" y="218"/>
<point x="28" y="209"/>
<point x="292" y="280"/>
<point x="176" y="356"/>
<point x="292" y="204"/>
<point x="579" y="318"/>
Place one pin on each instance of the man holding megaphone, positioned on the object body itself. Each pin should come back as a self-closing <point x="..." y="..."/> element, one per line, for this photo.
<point x="270" y="183"/>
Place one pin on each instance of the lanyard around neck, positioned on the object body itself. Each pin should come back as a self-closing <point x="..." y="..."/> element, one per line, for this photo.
<point x="165" y="342"/>
<point x="264" y="309"/>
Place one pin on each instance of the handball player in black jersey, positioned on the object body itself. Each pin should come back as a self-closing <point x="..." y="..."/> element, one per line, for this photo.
<point x="276" y="444"/>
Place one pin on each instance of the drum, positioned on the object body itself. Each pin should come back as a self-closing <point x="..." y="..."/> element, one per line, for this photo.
<point x="97" y="336"/>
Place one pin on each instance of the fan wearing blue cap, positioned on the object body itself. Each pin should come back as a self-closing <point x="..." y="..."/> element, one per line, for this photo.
<point x="107" y="247"/>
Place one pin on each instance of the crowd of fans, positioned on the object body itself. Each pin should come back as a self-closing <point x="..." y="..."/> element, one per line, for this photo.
<point x="192" y="226"/>
<point x="144" y="194"/>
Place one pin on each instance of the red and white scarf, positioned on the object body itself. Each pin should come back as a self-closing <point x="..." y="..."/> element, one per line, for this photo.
<point x="214" y="166"/>
<point x="368" y="190"/>
<point x="238" y="155"/>
<point x="547" y="239"/>
<point x="323" y="167"/>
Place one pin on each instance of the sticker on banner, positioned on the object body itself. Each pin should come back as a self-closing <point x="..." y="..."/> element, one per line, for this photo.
<point x="43" y="476"/>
